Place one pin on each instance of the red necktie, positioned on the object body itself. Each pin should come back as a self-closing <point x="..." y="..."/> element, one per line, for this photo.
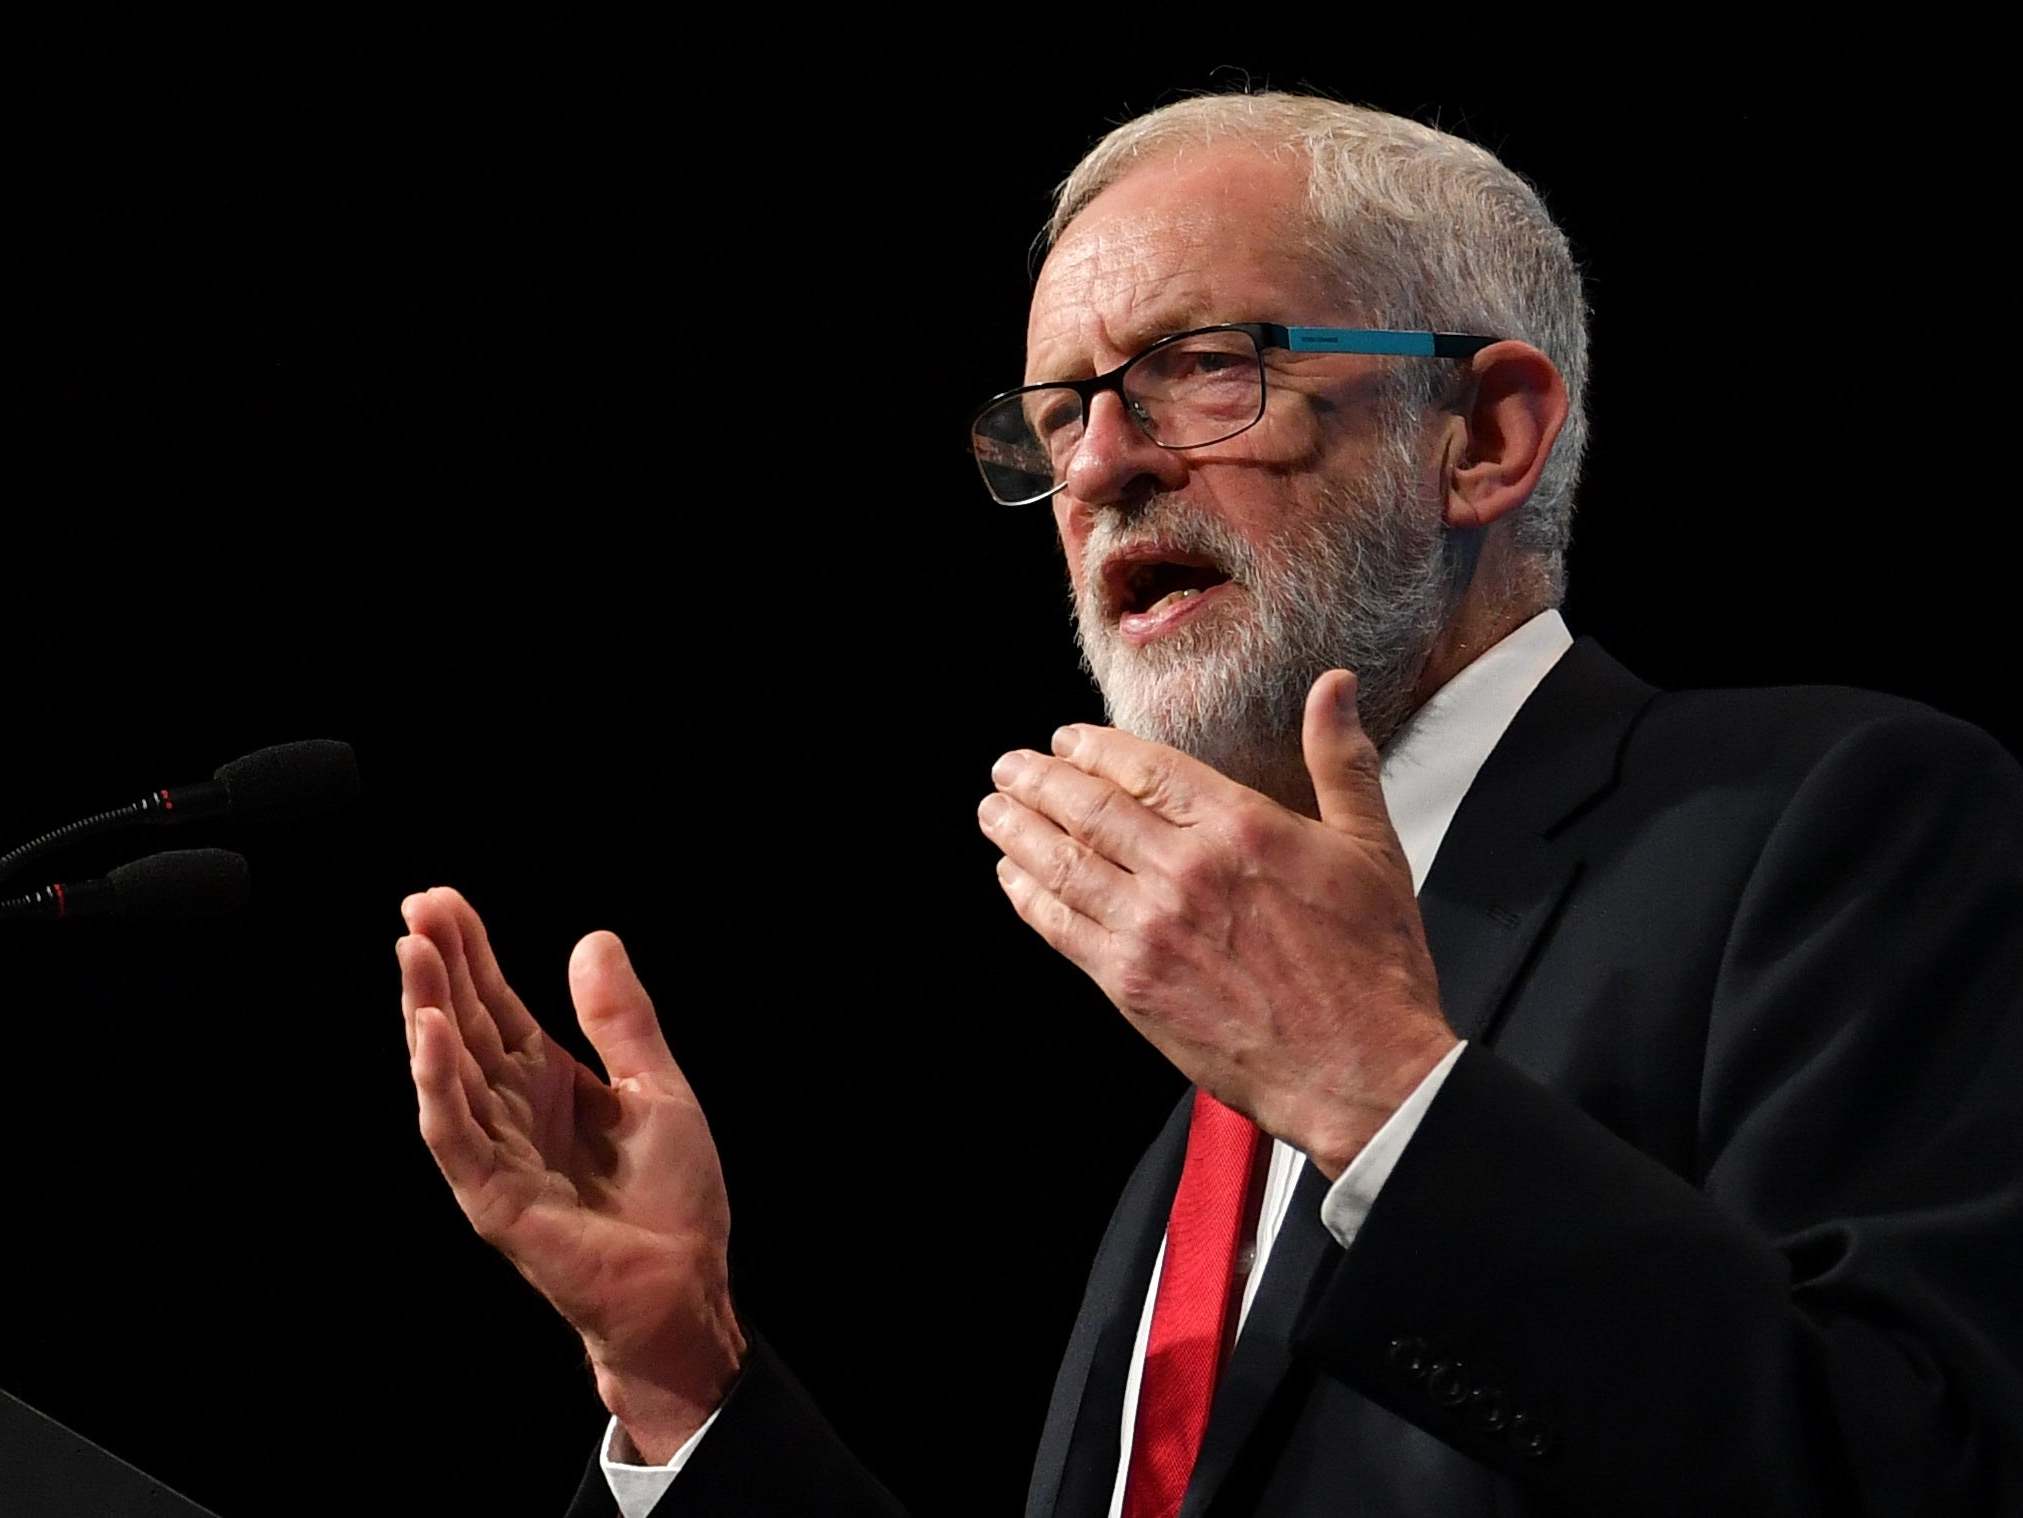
<point x="1195" y="1310"/>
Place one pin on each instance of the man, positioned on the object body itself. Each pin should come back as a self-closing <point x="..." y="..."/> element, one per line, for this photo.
<point x="1637" y="1069"/>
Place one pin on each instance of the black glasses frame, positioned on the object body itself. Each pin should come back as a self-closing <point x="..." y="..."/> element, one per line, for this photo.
<point x="1365" y="340"/>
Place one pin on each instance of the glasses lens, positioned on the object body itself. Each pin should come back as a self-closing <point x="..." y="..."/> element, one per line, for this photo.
<point x="1023" y="443"/>
<point x="1198" y="390"/>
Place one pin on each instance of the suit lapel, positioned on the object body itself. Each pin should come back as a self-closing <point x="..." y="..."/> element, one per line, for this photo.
<point x="1479" y="941"/>
<point x="1497" y="880"/>
<point x="1075" y="1470"/>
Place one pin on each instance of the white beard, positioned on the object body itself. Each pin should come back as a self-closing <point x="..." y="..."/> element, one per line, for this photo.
<point x="1364" y="578"/>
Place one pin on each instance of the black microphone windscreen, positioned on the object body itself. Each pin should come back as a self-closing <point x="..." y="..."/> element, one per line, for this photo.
<point x="181" y="883"/>
<point x="294" y="777"/>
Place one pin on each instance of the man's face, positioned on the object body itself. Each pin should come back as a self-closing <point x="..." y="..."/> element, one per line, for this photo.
<point x="1213" y="586"/>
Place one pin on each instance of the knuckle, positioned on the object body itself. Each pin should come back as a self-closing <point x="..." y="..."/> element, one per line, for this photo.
<point x="1092" y="813"/>
<point x="1154" y="784"/>
<point x="1197" y="873"/>
<point x="1146" y="960"/>
<point x="1252" y="831"/>
<point x="1156" y="932"/>
<point x="1059" y="922"/>
<point x="1139" y="967"/>
<point x="1063" y="865"/>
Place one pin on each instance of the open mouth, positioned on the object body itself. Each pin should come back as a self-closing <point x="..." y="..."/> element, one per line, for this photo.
<point x="1152" y="589"/>
<point x="1150" y="586"/>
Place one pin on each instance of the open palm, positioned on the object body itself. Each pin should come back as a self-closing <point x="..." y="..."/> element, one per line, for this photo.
<point x="609" y="1198"/>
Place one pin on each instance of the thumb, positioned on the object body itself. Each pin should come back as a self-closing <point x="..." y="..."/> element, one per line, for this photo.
<point x="1341" y="760"/>
<point x="615" y="1012"/>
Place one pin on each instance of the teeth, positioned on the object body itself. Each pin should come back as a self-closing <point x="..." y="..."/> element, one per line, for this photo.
<point x="1169" y="597"/>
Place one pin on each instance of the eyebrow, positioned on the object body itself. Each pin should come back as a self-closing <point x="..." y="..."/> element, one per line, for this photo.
<point x="1145" y="330"/>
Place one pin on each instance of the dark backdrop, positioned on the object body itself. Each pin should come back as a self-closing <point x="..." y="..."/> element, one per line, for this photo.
<point x="588" y="452"/>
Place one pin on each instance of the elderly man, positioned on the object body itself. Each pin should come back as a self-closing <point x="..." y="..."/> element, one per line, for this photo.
<point x="1603" y="1098"/>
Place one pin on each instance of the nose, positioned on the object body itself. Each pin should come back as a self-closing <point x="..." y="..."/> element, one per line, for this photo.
<point x="1116" y="464"/>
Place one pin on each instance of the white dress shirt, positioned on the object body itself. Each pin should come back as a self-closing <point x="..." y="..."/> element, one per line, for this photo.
<point x="1428" y="767"/>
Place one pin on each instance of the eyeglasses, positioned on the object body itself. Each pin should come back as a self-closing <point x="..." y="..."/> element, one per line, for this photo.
<point x="1185" y="391"/>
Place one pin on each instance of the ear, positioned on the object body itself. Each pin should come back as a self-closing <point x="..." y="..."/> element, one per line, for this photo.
<point x="1516" y="405"/>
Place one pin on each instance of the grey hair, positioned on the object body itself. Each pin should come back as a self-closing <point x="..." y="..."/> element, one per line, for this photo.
<point x="1426" y="230"/>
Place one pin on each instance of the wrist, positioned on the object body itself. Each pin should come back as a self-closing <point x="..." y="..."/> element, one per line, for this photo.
<point x="660" y="1398"/>
<point x="653" y="1424"/>
<point x="1344" y="1129"/>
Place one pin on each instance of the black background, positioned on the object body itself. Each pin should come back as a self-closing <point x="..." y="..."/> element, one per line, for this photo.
<point x="586" y="449"/>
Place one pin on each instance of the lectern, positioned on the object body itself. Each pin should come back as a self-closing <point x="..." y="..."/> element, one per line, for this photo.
<point x="46" y="1471"/>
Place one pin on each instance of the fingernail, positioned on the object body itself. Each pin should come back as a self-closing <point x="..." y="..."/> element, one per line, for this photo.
<point x="1065" y="739"/>
<point x="1006" y="770"/>
<point x="1345" y="699"/>
<point x="992" y="809"/>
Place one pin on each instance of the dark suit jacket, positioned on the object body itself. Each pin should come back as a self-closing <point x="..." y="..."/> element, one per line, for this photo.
<point x="1721" y="1212"/>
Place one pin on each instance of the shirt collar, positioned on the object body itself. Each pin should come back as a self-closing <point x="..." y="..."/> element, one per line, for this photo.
<point x="1434" y="758"/>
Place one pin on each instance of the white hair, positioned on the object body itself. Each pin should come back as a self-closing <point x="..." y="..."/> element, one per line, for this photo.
<point x="1424" y="230"/>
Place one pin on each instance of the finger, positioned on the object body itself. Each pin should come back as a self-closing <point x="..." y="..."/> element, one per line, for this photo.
<point x="423" y="981"/>
<point x="1090" y="807"/>
<point x="425" y="976"/>
<point x="1079" y="938"/>
<point x="462" y="1149"/>
<point x="515" y="1022"/>
<point x="428" y="978"/>
<point x="432" y="915"/>
<point x="1179" y="788"/>
<point x="407" y="999"/>
<point x="616" y="1014"/>
<point x="1344" y="765"/>
<point x="1065" y="867"/>
<point x="517" y="1026"/>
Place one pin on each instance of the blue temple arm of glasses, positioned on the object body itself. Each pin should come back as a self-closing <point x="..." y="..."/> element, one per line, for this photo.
<point x="1370" y="340"/>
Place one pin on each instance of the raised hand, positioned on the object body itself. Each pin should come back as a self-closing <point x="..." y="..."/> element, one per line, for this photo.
<point x="1278" y="960"/>
<point x="609" y="1198"/>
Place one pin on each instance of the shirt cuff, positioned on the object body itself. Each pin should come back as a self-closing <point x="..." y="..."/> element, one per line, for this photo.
<point x="636" y="1488"/>
<point x="1349" y="1200"/>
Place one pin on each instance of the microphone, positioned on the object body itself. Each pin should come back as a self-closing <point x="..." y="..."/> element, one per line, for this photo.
<point x="310" y="776"/>
<point x="179" y="885"/>
<point x="313" y="775"/>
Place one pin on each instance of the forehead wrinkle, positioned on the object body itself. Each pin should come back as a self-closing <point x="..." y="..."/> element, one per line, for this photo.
<point x="1112" y="288"/>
